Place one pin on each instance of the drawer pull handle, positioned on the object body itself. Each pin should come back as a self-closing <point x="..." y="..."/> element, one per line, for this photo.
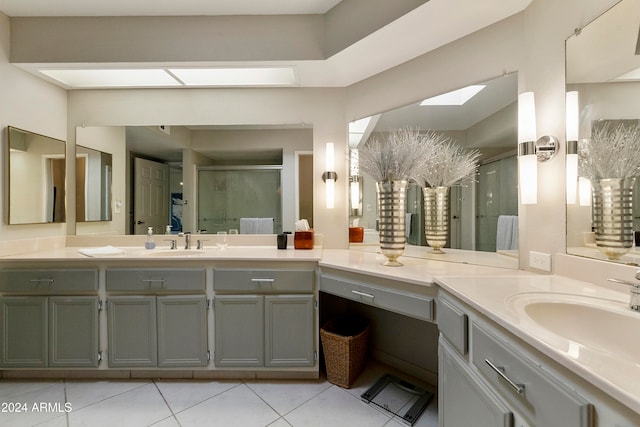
<point x="363" y="294"/>
<point x="518" y="388"/>
<point x="150" y="281"/>
<point x="263" y="280"/>
<point x="47" y="281"/>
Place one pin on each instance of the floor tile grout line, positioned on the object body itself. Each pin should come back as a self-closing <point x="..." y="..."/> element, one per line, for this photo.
<point x="173" y="415"/>
<point x="287" y="413"/>
<point x="110" y="397"/>
<point x="202" y="401"/>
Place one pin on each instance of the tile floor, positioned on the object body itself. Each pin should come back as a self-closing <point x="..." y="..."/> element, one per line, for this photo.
<point x="169" y="403"/>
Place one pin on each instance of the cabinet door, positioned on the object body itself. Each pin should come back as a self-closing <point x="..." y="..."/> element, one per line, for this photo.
<point x="23" y="340"/>
<point x="463" y="399"/>
<point x="289" y="330"/>
<point x="131" y="322"/>
<point x="73" y="331"/>
<point x="182" y="331"/>
<point x="239" y="330"/>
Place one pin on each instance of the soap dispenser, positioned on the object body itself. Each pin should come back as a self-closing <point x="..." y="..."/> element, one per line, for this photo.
<point x="150" y="243"/>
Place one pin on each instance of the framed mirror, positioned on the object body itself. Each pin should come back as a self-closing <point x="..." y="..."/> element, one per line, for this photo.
<point x="602" y="66"/>
<point x="487" y="121"/>
<point x="93" y="184"/>
<point x="36" y="178"/>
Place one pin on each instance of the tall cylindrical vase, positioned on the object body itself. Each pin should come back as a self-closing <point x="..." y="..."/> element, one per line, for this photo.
<point x="436" y="217"/>
<point x="613" y="215"/>
<point x="391" y="208"/>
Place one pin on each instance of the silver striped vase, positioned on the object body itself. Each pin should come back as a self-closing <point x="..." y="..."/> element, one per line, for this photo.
<point x="436" y="217"/>
<point x="391" y="209"/>
<point x="613" y="215"/>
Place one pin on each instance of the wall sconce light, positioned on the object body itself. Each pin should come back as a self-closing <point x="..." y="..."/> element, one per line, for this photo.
<point x="329" y="176"/>
<point x="531" y="150"/>
<point x="573" y="126"/>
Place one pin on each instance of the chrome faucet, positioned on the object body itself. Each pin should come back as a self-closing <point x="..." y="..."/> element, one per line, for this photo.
<point x="634" y="294"/>
<point x="173" y="243"/>
<point x="187" y="240"/>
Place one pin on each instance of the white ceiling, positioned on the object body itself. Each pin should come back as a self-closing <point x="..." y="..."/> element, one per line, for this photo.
<point x="427" y="27"/>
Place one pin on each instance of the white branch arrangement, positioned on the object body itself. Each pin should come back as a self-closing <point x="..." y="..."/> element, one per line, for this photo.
<point x="428" y="157"/>
<point x="448" y="164"/>
<point x="611" y="153"/>
<point x="397" y="158"/>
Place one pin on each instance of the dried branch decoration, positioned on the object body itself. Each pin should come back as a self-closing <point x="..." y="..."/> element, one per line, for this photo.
<point x="448" y="164"/>
<point x="399" y="157"/>
<point x="611" y="153"/>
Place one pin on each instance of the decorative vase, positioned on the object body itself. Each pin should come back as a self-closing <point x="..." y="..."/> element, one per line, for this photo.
<point x="613" y="215"/>
<point x="436" y="217"/>
<point x="391" y="208"/>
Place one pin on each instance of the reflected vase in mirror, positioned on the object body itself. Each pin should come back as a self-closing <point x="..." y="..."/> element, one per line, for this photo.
<point x="392" y="224"/>
<point x="613" y="215"/>
<point x="436" y="216"/>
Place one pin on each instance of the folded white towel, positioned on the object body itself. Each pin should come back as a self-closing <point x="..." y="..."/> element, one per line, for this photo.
<point x="102" y="251"/>
<point x="507" y="232"/>
<point x="256" y="225"/>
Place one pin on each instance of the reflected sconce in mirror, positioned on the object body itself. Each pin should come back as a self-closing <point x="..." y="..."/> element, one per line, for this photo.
<point x="355" y="184"/>
<point x="330" y="176"/>
<point x="531" y="150"/>
<point x="572" y="123"/>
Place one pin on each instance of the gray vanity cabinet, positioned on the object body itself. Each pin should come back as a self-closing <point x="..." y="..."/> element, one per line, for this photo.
<point x="256" y="330"/>
<point x="239" y="330"/>
<point x="40" y="331"/>
<point x="264" y="317"/>
<point x="152" y="331"/>
<point x="289" y="330"/>
<point x="463" y="399"/>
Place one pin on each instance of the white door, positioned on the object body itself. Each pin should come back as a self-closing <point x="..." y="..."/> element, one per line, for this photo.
<point x="151" y="196"/>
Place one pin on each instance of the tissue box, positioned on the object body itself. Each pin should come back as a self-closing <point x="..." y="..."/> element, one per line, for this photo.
<point x="303" y="239"/>
<point x="356" y="234"/>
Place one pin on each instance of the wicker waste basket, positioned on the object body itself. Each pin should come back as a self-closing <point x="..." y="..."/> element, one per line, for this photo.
<point x="344" y="343"/>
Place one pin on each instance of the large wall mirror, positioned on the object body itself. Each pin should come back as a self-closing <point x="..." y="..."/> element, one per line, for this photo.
<point x="204" y="178"/>
<point x="603" y="66"/>
<point x="93" y="184"/>
<point x="487" y="122"/>
<point x="36" y="178"/>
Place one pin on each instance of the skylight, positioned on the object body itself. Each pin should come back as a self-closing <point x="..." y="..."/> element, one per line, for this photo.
<point x="174" y="77"/>
<point x="93" y="78"/>
<point x="456" y="97"/>
<point x="260" y="76"/>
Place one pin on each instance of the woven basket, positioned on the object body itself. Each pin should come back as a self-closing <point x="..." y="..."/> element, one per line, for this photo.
<point x="344" y="356"/>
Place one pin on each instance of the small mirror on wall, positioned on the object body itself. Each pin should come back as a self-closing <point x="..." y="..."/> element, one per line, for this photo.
<point x="36" y="178"/>
<point x="93" y="185"/>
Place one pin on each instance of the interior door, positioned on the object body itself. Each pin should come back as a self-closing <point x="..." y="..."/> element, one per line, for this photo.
<point x="151" y="196"/>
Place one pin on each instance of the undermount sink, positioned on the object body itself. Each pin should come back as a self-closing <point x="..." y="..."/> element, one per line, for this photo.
<point x="175" y="253"/>
<point x="585" y="327"/>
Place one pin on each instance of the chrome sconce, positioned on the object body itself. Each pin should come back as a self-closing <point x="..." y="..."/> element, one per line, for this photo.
<point x="330" y="176"/>
<point x="531" y="150"/>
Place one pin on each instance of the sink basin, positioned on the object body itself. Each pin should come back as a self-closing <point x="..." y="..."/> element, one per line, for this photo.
<point x="585" y="327"/>
<point x="167" y="253"/>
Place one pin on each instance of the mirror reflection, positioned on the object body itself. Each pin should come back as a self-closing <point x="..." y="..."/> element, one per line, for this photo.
<point x="205" y="178"/>
<point x="93" y="185"/>
<point x="487" y="121"/>
<point x="602" y="66"/>
<point x="36" y="177"/>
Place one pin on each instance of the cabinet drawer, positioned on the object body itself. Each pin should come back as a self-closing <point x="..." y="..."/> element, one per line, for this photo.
<point x="452" y="323"/>
<point x="401" y="302"/>
<point x="155" y="279"/>
<point x="48" y="281"/>
<point x="262" y="281"/>
<point x="536" y="394"/>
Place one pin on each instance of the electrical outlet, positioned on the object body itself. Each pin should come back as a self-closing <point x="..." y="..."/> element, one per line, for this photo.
<point x="540" y="261"/>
